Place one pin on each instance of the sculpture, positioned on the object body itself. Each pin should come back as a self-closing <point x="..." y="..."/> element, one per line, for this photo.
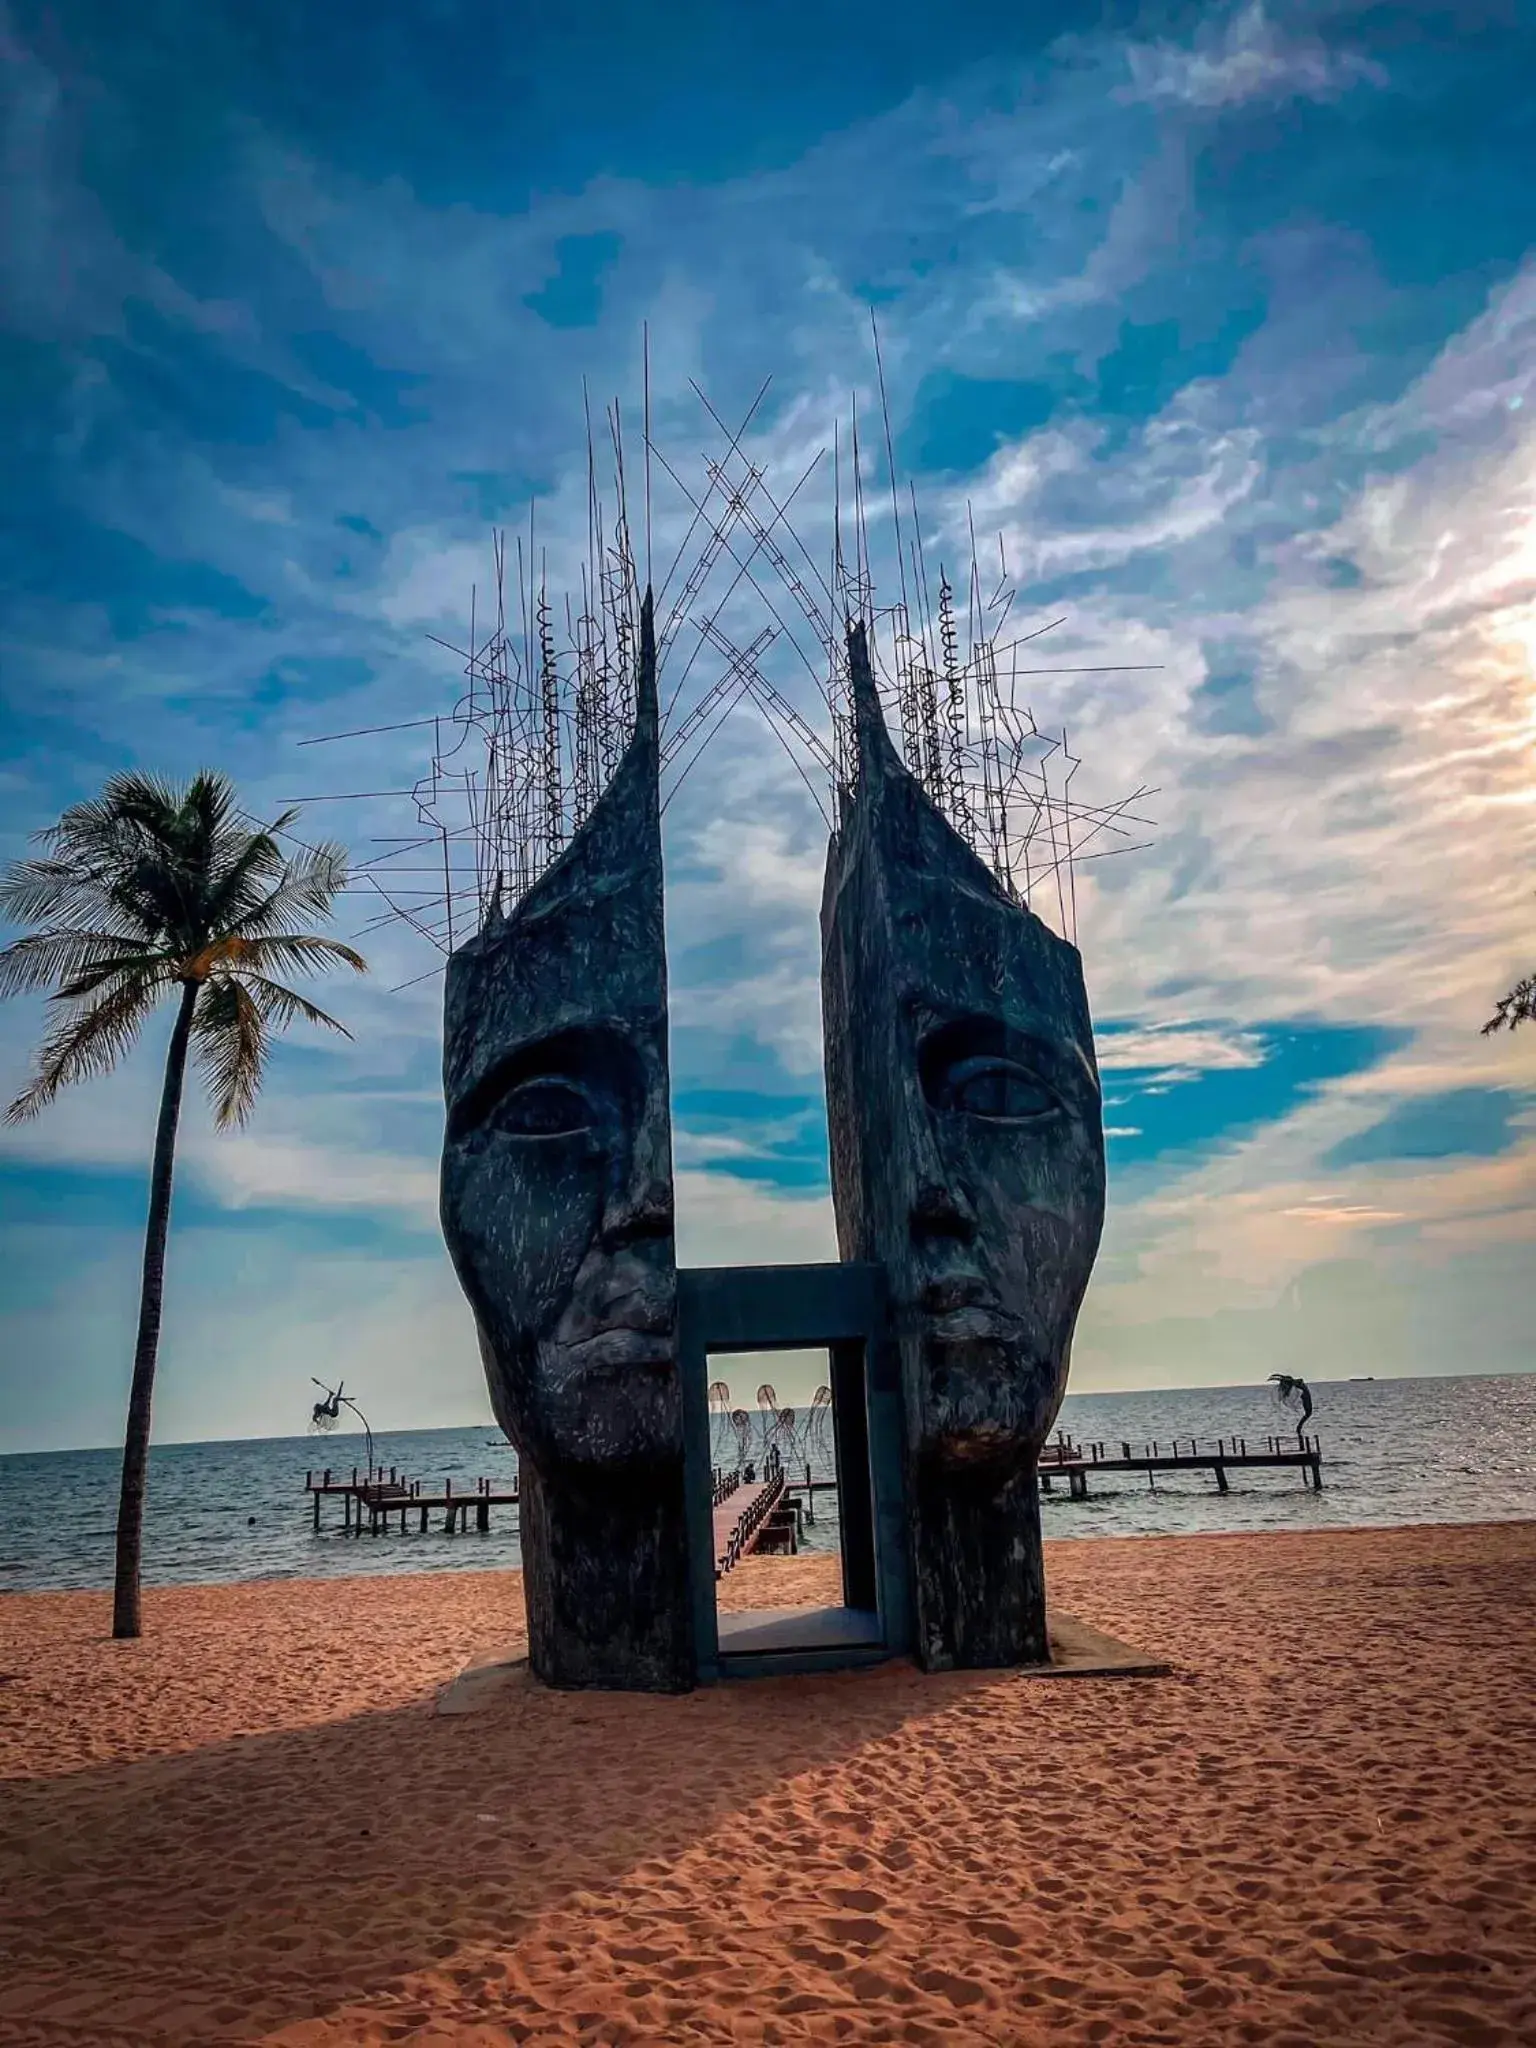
<point x="557" y="1208"/>
<point x="1291" y="1388"/>
<point x="968" y="1157"/>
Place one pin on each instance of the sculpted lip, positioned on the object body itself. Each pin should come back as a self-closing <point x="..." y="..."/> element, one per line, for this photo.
<point x="626" y="1318"/>
<point x="962" y="1309"/>
<point x="622" y="1345"/>
<point x="969" y="1326"/>
<point x="955" y="1291"/>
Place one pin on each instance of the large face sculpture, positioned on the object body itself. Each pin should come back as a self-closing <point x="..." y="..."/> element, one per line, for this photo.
<point x="557" y="1201"/>
<point x="967" y="1157"/>
<point x="557" y="1210"/>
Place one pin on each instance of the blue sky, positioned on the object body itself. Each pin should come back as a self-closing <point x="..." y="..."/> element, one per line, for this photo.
<point x="1224" y="317"/>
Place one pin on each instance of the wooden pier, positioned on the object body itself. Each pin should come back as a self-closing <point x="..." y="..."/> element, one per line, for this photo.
<point x="767" y="1514"/>
<point x="753" y="1515"/>
<point x="374" y="1496"/>
<point x="1065" y="1459"/>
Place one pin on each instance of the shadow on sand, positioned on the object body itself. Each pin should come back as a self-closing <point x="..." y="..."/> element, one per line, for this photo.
<point x="224" y="1894"/>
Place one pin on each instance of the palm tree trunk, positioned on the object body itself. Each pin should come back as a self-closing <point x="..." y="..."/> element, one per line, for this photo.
<point x="130" y="1509"/>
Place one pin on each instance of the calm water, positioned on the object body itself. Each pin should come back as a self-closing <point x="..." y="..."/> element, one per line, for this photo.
<point x="1443" y="1450"/>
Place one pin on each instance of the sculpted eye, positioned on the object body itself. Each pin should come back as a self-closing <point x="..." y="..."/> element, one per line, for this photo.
<point x="998" y="1089"/>
<point x="545" y="1108"/>
<point x="584" y="1083"/>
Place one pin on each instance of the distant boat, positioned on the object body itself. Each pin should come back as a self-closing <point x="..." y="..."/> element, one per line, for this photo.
<point x="1358" y="1379"/>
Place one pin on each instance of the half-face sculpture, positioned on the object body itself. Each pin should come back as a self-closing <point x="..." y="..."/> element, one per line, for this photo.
<point x="968" y="1157"/>
<point x="557" y="1209"/>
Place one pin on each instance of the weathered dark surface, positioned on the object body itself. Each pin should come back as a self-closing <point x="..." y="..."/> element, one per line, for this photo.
<point x="967" y="1157"/>
<point x="557" y="1209"/>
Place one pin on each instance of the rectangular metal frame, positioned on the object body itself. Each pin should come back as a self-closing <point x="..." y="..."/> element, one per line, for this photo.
<point x="842" y="1309"/>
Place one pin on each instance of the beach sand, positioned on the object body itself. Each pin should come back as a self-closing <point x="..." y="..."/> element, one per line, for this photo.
<point x="1321" y="1829"/>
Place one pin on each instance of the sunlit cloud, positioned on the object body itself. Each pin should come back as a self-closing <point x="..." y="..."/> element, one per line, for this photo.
<point x="1348" y="1214"/>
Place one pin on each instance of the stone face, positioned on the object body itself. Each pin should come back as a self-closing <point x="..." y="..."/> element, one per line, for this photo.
<point x="968" y="1158"/>
<point x="557" y="1208"/>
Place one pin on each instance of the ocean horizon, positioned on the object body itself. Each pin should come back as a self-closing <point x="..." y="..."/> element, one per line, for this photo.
<point x="1461" y="1448"/>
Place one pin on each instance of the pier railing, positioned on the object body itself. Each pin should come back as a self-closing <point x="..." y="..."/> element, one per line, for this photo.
<point x="379" y="1493"/>
<point x="1064" y="1451"/>
<point x="753" y="1516"/>
<point x="1074" y="1461"/>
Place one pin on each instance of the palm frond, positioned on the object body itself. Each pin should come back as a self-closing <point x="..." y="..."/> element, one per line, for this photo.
<point x="58" y="892"/>
<point x="231" y="1039"/>
<point x="301" y="952"/>
<point x="282" y="1006"/>
<point x="156" y="970"/>
<point x="133" y="813"/>
<point x="143" y="798"/>
<point x="62" y="955"/>
<point x="311" y="881"/>
<point x="111" y="861"/>
<point x="176" y="824"/>
<point x="247" y="868"/>
<point x="90" y="1042"/>
<point x="167" y="897"/>
<point x="210" y="807"/>
<point x="1518" y="1007"/>
<point x="210" y="839"/>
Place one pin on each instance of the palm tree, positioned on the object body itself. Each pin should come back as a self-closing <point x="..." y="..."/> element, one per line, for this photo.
<point x="146" y="890"/>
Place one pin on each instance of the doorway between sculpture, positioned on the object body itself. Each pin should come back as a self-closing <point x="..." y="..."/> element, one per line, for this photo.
<point x="758" y="1465"/>
<point x="781" y="1459"/>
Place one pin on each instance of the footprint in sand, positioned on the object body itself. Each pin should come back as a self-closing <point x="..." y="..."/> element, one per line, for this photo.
<point x="866" y="1983"/>
<point x="681" y="1968"/>
<point x="1065" y="1988"/>
<point x="960" y="1991"/>
<point x="997" y="1932"/>
<point x="1456" y="2023"/>
<point x="857" y="1933"/>
<point x="858" y="1901"/>
<point x="820" y="1958"/>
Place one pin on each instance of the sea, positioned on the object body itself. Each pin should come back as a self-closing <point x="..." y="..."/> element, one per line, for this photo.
<point x="1394" y="1451"/>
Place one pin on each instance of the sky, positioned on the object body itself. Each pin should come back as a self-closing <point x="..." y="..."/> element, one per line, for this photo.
<point x="1224" y="317"/>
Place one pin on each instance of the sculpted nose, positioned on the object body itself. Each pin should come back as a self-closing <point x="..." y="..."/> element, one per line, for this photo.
<point x="642" y="1207"/>
<point x="942" y="1210"/>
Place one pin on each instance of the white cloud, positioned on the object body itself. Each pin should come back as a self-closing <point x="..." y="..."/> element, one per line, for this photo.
<point x="725" y="1221"/>
<point x="1181" y="1049"/>
<point x="1361" y="847"/>
<point x="1345" y="1215"/>
<point x="1187" y="482"/>
<point x="1252" y="1220"/>
<point x="1242" y="57"/>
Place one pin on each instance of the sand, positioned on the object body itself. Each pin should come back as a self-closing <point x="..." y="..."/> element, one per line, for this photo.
<point x="1321" y="1829"/>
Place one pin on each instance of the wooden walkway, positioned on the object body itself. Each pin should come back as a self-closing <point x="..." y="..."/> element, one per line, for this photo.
<point x="766" y="1513"/>
<point x="380" y="1494"/>
<point x="1065" y="1459"/>
<point x="743" y="1511"/>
